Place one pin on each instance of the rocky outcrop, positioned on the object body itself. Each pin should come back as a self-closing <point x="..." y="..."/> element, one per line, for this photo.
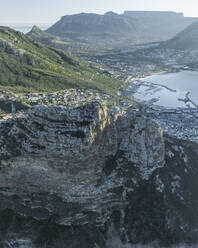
<point x="90" y="173"/>
<point x="10" y="49"/>
<point x="68" y="175"/>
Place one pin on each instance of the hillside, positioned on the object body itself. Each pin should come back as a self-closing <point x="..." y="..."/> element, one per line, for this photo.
<point x="187" y="39"/>
<point x="160" y="25"/>
<point x="92" y="32"/>
<point x="28" y="66"/>
<point x="43" y="36"/>
<point x="92" y="23"/>
<point x="89" y="32"/>
<point x="55" y="41"/>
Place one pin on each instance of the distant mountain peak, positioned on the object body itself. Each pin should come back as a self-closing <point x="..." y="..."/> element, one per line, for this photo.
<point x="35" y="29"/>
<point x="111" y="13"/>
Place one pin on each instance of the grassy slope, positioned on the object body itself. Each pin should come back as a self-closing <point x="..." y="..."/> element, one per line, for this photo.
<point x="28" y="66"/>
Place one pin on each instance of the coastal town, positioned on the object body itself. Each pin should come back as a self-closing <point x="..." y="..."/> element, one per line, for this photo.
<point x="145" y="60"/>
<point x="133" y="65"/>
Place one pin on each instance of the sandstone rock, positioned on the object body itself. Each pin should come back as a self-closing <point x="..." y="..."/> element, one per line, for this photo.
<point x="67" y="172"/>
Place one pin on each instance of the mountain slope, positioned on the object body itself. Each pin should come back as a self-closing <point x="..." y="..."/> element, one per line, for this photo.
<point x="92" y="32"/>
<point x="92" y="23"/>
<point x="187" y="39"/>
<point x="37" y="32"/>
<point x="26" y="65"/>
<point x="160" y="25"/>
<point x="51" y="40"/>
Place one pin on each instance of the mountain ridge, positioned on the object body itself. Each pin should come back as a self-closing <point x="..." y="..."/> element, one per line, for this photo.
<point x="186" y="39"/>
<point x="26" y="65"/>
<point x="90" y="31"/>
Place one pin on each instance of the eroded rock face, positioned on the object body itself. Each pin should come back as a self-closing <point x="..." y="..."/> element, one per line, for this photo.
<point x="68" y="174"/>
<point x="178" y="180"/>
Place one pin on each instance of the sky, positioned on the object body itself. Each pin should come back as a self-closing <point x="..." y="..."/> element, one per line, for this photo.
<point x="49" y="11"/>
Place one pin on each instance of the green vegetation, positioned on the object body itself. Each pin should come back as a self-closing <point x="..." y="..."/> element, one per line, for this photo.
<point x="54" y="41"/>
<point x="28" y="66"/>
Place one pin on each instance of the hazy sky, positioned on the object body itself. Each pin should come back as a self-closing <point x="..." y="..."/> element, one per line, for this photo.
<point x="49" y="11"/>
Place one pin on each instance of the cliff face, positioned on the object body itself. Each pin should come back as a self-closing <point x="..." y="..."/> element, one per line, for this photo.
<point x="133" y="23"/>
<point x="66" y="173"/>
<point x="85" y="22"/>
<point x="89" y="174"/>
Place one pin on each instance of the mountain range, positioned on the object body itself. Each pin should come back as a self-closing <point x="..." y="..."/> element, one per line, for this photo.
<point x="88" y="31"/>
<point x="28" y="65"/>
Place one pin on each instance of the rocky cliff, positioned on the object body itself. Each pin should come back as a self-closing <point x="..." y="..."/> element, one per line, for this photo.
<point x="88" y="173"/>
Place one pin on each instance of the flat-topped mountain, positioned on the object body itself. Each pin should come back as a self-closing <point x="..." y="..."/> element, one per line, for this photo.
<point x="187" y="39"/>
<point x="93" y="23"/>
<point x="26" y="65"/>
<point x="131" y="22"/>
<point x="89" y="31"/>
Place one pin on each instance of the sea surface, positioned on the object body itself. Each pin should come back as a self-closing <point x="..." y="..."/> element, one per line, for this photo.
<point x="168" y="88"/>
